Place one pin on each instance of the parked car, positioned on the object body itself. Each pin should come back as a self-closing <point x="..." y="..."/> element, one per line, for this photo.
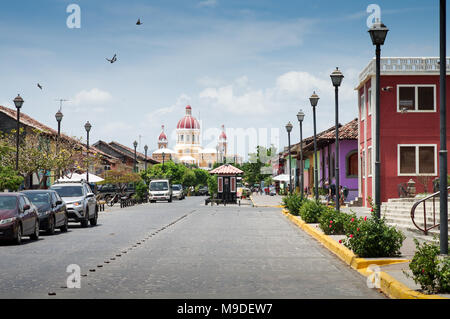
<point x="160" y="189"/>
<point x="178" y="192"/>
<point x="18" y="217"/>
<point x="51" y="210"/>
<point x="203" y="191"/>
<point x="80" y="202"/>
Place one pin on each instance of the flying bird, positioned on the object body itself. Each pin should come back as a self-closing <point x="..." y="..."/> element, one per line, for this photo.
<point x="39" y="86"/>
<point x="139" y="22"/>
<point x="114" y="59"/>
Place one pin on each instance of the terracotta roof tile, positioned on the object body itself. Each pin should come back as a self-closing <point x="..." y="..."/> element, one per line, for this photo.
<point x="226" y="169"/>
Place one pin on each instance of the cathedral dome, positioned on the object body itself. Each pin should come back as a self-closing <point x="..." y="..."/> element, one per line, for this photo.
<point x="188" y="121"/>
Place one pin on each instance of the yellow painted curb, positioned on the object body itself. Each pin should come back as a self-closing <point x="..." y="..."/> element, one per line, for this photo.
<point x="388" y="285"/>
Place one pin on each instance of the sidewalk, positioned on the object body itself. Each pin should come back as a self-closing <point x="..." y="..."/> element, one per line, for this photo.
<point x="394" y="282"/>
<point x="266" y="200"/>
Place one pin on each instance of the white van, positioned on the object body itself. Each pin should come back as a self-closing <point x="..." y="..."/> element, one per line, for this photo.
<point x="160" y="189"/>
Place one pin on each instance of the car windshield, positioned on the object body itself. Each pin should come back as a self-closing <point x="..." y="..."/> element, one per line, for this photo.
<point x="159" y="186"/>
<point x="176" y="187"/>
<point x="39" y="198"/>
<point x="8" y="202"/>
<point x="68" y="191"/>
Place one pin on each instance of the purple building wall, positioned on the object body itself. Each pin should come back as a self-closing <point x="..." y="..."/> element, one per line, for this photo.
<point x="346" y="147"/>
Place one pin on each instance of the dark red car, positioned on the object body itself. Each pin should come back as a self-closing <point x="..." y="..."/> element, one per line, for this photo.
<point x="18" y="217"/>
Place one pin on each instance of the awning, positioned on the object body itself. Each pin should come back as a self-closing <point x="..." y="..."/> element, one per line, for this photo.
<point x="281" y="178"/>
<point x="75" y="177"/>
<point x="187" y="158"/>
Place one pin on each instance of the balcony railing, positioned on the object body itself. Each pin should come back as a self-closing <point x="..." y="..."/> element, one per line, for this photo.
<point x="404" y="65"/>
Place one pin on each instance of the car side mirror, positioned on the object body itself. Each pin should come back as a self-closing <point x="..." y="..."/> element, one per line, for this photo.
<point x="58" y="202"/>
<point x="26" y="207"/>
<point x="89" y="195"/>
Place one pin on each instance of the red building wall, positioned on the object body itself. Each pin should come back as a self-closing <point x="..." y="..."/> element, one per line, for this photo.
<point x="401" y="128"/>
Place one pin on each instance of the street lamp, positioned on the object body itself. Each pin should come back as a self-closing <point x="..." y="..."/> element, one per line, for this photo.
<point x="288" y="130"/>
<point x="135" y="144"/>
<point x="87" y="127"/>
<point x="443" y="196"/>
<point x="300" y="117"/>
<point x="59" y="117"/>
<point x="146" y="149"/>
<point x="314" y="99"/>
<point x="336" y="79"/>
<point x="378" y="34"/>
<point x="18" y="102"/>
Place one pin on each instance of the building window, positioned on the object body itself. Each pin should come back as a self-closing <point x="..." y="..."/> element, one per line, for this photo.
<point x="417" y="160"/>
<point x="193" y="138"/>
<point x="363" y="164"/>
<point x="416" y="98"/>
<point x="351" y="164"/>
<point x="362" y="107"/>
<point x="369" y="101"/>
<point x="369" y="161"/>
<point x="181" y="138"/>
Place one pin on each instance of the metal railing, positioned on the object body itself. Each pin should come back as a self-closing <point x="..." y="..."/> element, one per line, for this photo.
<point x="426" y="228"/>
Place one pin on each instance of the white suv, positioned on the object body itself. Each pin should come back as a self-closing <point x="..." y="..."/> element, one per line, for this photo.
<point x="160" y="189"/>
<point x="80" y="202"/>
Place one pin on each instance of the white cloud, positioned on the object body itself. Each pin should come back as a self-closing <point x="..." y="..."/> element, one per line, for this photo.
<point x="161" y="115"/>
<point x="208" y="3"/>
<point x="90" y="97"/>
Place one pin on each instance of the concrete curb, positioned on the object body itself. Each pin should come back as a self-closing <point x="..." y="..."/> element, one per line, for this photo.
<point x="388" y="285"/>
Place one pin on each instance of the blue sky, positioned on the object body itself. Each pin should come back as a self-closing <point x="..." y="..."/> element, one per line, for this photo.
<point x="238" y="63"/>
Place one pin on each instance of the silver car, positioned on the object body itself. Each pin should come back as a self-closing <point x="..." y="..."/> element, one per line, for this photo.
<point x="177" y="191"/>
<point x="80" y="202"/>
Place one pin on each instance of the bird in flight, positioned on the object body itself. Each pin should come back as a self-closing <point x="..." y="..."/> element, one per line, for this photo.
<point x="114" y="59"/>
<point x="139" y="22"/>
<point x="39" y="86"/>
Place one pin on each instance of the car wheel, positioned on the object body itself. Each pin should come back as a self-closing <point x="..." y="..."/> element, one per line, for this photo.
<point x="85" y="222"/>
<point x="51" y="226"/>
<point x="35" y="235"/>
<point x="170" y="200"/>
<point x="18" y="239"/>
<point x="93" y="221"/>
<point x="64" y="228"/>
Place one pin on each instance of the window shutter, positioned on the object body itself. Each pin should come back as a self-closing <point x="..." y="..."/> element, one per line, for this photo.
<point x="220" y="184"/>
<point x="233" y="184"/>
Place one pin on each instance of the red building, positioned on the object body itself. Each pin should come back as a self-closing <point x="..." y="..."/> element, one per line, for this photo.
<point x="409" y="125"/>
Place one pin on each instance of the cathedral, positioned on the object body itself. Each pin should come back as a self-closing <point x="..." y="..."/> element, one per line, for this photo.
<point x="188" y="148"/>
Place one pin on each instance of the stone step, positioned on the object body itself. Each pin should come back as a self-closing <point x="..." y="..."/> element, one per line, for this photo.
<point x="417" y="219"/>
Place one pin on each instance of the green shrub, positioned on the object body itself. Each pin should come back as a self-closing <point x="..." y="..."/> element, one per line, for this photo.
<point x="293" y="202"/>
<point x="141" y="190"/>
<point x="430" y="271"/>
<point x="372" y="237"/>
<point x="333" y="222"/>
<point x="311" y="210"/>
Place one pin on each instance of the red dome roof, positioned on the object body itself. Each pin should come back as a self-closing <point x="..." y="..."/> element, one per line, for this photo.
<point x="162" y="136"/>
<point x="188" y="121"/>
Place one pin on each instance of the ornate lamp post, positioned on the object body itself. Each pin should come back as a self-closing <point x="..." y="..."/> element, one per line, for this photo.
<point x="288" y="130"/>
<point x="300" y="117"/>
<point x="135" y="144"/>
<point x="314" y="99"/>
<point x="145" y="149"/>
<point x="336" y="79"/>
<point x="443" y="196"/>
<point x="18" y="102"/>
<point x="59" y="117"/>
<point x="87" y="127"/>
<point x="378" y="34"/>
